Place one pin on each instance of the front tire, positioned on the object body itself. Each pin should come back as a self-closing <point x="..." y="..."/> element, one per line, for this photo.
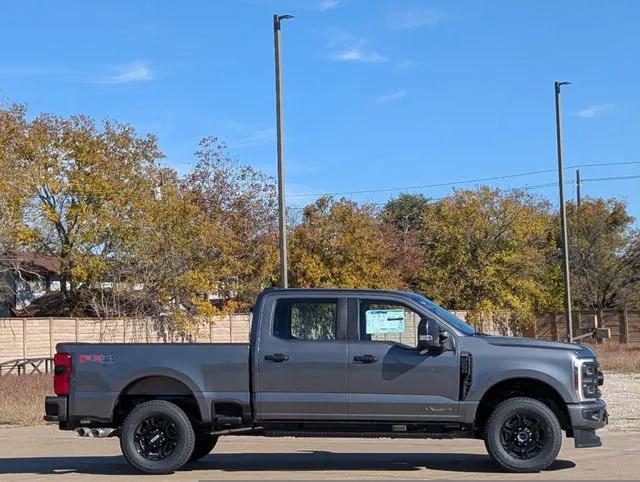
<point x="523" y="435"/>
<point x="157" y="437"/>
<point x="203" y="446"/>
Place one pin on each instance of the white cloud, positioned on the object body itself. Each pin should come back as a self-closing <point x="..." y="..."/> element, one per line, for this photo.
<point x="133" y="72"/>
<point x="329" y="4"/>
<point x="416" y="18"/>
<point x="233" y="125"/>
<point x="397" y="95"/>
<point x="357" y="54"/>
<point x="594" y="111"/>
<point x="258" y="136"/>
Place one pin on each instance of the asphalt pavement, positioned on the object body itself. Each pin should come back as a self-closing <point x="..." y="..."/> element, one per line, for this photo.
<point x="36" y="453"/>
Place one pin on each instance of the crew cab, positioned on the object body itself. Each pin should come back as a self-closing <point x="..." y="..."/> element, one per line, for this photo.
<point x="334" y="363"/>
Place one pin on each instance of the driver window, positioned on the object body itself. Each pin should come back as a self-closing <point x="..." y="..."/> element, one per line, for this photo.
<point x="388" y="322"/>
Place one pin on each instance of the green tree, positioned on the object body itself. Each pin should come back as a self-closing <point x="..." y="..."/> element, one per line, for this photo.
<point x="406" y="212"/>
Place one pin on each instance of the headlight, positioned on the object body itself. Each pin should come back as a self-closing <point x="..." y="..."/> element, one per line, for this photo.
<point x="587" y="377"/>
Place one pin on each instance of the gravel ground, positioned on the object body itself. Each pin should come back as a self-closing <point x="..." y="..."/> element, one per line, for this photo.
<point x="621" y="391"/>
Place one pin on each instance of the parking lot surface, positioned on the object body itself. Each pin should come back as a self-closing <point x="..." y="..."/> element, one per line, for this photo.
<point x="35" y="453"/>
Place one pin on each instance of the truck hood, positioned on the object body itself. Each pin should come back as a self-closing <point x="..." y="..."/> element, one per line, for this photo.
<point x="517" y="342"/>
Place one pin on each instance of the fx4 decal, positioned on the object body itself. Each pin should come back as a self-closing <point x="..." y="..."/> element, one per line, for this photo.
<point x="102" y="359"/>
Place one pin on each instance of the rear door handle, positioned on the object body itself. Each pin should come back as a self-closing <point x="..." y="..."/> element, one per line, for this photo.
<point x="365" y="358"/>
<point x="276" y="357"/>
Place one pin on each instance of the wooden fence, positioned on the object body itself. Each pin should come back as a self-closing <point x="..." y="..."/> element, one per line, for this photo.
<point x="37" y="337"/>
<point x="623" y="325"/>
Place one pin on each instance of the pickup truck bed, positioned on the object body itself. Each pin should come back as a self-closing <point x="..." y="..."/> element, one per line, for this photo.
<point x="106" y="372"/>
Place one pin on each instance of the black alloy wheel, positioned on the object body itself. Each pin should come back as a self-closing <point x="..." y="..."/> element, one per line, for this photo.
<point x="523" y="436"/>
<point x="156" y="438"/>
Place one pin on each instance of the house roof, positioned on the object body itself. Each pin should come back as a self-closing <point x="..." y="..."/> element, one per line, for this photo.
<point x="37" y="263"/>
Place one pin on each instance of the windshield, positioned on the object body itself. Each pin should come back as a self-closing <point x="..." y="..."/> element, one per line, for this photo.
<point x="444" y="314"/>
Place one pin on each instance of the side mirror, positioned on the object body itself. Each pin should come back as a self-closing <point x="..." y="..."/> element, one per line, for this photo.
<point x="429" y="336"/>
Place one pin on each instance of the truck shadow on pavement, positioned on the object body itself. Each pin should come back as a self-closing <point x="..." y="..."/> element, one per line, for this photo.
<point x="257" y="462"/>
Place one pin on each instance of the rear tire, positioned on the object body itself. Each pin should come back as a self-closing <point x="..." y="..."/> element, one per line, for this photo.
<point x="203" y="446"/>
<point x="523" y="435"/>
<point x="157" y="437"/>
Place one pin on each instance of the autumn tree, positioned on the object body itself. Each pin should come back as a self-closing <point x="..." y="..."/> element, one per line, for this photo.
<point x="487" y="251"/>
<point x="343" y="244"/>
<point x="237" y="204"/>
<point x="404" y="216"/>
<point x="70" y="187"/>
<point x="157" y="271"/>
<point x="604" y="253"/>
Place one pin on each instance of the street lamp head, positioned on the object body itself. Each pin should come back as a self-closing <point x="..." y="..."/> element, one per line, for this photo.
<point x="278" y="18"/>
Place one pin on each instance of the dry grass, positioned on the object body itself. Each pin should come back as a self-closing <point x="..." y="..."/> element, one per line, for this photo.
<point x="615" y="357"/>
<point x="22" y="398"/>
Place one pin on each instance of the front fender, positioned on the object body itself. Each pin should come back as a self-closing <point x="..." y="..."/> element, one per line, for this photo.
<point x="478" y="389"/>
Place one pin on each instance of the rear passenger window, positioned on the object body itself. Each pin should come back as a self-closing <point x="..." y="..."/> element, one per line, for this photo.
<point x="312" y="320"/>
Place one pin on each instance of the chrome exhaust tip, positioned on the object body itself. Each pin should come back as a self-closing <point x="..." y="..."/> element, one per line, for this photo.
<point x="101" y="432"/>
<point x="82" y="432"/>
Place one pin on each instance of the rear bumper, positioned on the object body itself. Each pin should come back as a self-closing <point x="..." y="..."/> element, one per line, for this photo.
<point x="55" y="409"/>
<point x="585" y="419"/>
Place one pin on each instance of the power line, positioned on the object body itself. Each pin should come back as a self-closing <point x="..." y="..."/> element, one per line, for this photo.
<point x="610" y="178"/>
<point x="528" y="187"/>
<point x="454" y="183"/>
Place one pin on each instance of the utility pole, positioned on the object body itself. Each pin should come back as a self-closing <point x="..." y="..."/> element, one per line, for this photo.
<point x="282" y="206"/>
<point x="578" y="197"/>
<point x="563" y="218"/>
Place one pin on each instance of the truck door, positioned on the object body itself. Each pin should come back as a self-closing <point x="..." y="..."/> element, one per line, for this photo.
<point x="301" y="360"/>
<point x="388" y="377"/>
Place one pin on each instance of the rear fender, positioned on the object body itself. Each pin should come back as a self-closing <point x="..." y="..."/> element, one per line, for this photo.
<point x="203" y="405"/>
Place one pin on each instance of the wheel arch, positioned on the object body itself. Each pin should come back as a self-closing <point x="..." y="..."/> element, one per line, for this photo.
<point x="162" y="384"/>
<point x="530" y="387"/>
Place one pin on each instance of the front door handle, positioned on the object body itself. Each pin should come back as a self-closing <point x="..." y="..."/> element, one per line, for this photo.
<point x="365" y="358"/>
<point x="276" y="357"/>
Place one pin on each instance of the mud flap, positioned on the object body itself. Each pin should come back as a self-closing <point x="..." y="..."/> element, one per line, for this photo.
<point x="585" y="438"/>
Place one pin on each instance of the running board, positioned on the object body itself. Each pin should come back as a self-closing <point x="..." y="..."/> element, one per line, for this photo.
<point x="366" y="434"/>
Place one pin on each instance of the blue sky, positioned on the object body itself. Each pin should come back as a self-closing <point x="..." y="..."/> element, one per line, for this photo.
<point x="378" y="94"/>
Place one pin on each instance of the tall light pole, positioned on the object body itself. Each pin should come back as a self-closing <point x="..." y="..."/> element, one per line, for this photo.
<point x="282" y="206"/>
<point x="578" y="193"/>
<point x="563" y="218"/>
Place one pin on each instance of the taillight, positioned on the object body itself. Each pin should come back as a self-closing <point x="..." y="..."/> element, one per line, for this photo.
<point x="61" y="373"/>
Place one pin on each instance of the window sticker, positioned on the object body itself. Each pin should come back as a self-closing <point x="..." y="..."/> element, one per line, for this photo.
<point x="384" y="321"/>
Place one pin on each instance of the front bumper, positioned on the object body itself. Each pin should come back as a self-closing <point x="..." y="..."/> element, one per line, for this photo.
<point x="55" y="409"/>
<point x="585" y="419"/>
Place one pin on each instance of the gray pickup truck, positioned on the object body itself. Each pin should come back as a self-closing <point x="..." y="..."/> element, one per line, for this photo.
<point x="334" y="363"/>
